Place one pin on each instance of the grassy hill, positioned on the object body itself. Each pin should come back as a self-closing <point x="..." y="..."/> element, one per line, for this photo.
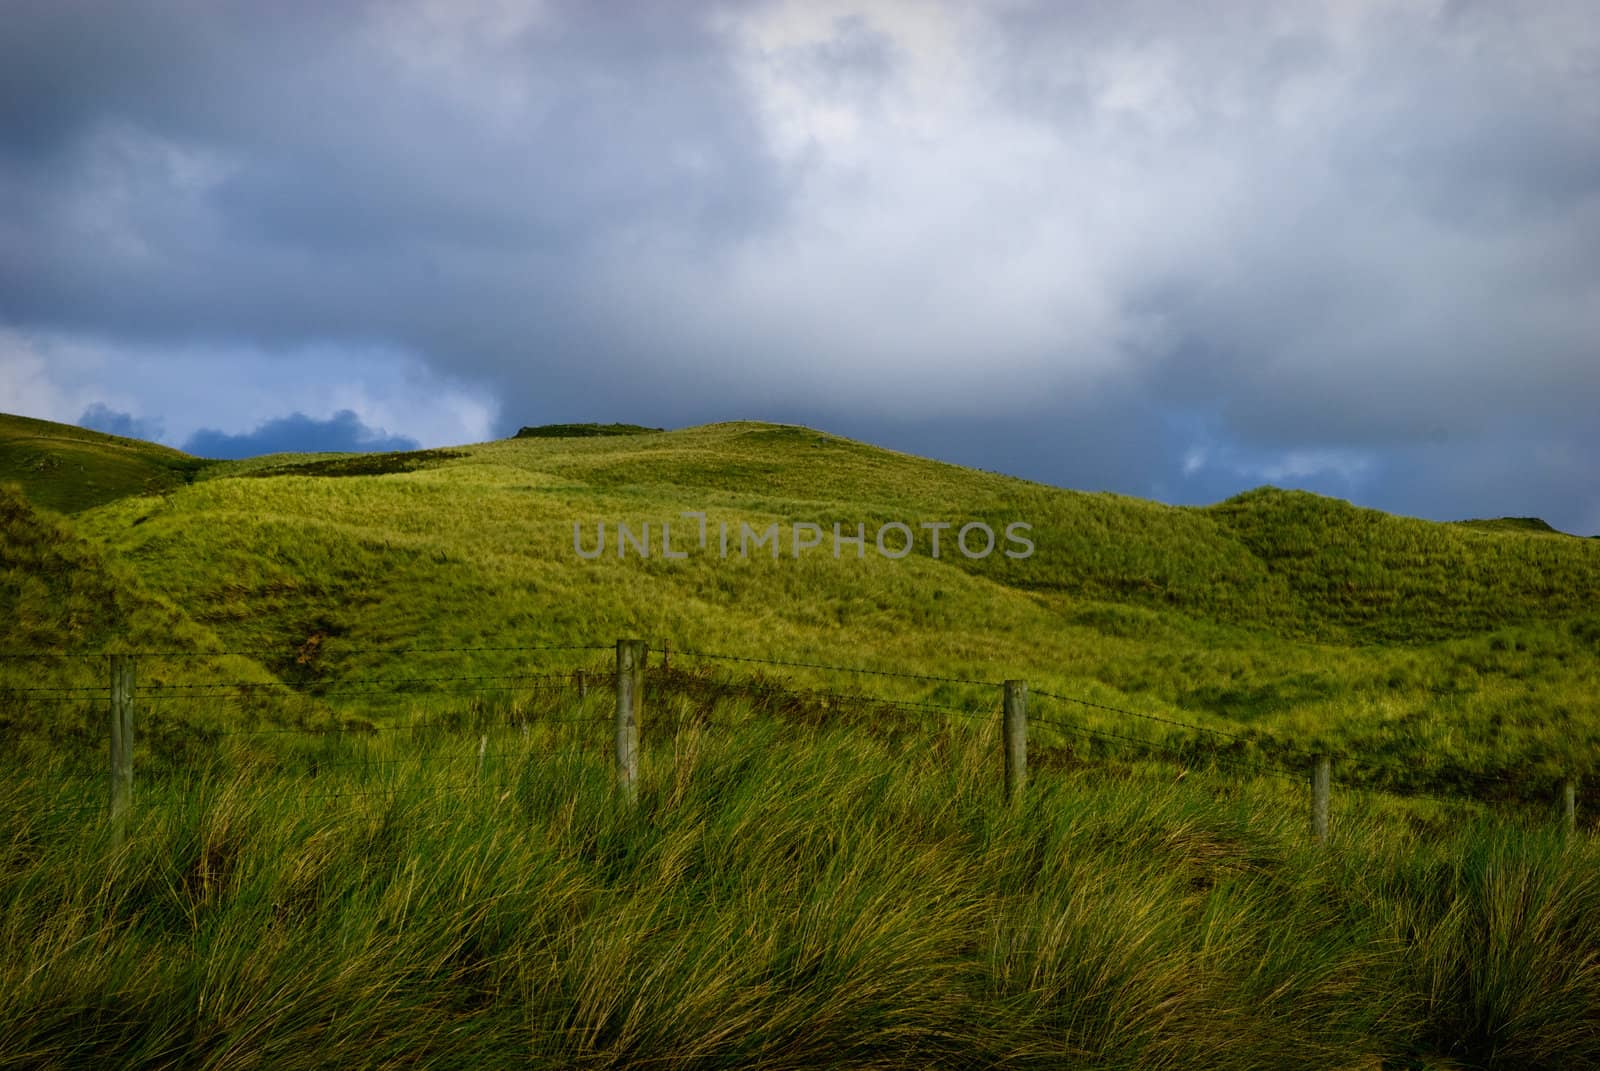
<point x="576" y="431"/>
<point x="1368" y="575"/>
<point x="61" y="594"/>
<point x="66" y="602"/>
<point x="1513" y="524"/>
<point x="72" y="469"/>
<point x="1280" y="612"/>
<point x="802" y="883"/>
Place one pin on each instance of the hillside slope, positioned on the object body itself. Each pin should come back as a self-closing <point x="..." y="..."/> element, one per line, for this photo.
<point x="64" y="602"/>
<point x="1371" y="575"/>
<point x="70" y="469"/>
<point x="1295" y="613"/>
<point x="58" y="593"/>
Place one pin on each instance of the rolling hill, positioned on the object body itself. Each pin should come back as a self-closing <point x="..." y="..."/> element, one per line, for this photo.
<point x="801" y="881"/>
<point x="72" y="469"/>
<point x="1285" y="612"/>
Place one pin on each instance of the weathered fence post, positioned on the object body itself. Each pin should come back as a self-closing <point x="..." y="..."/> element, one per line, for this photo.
<point x="1569" y="805"/>
<point x="122" y="683"/>
<point x="483" y="751"/>
<point x="1015" y="733"/>
<point x="630" y="701"/>
<point x="583" y="683"/>
<point x="1321" y="780"/>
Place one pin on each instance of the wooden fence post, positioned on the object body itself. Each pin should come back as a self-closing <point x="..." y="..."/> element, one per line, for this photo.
<point x="122" y="683"/>
<point x="1014" y="728"/>
<point x="1321" y="781"/>
<point x="630" y="702"/>
<point x="583" y="683"/>
<point x="1569" y="805"/>
<point x="483" y="751"/>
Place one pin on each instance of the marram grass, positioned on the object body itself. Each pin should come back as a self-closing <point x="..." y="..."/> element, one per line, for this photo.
<point x="823" y="887"/>
<point x="782" y="896"/>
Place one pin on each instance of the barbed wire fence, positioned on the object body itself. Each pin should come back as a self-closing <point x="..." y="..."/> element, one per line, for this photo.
<point x="536" y="709"/>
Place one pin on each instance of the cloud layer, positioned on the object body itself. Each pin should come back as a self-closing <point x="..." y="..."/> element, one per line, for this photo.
<point x="1159" y="248"/>
<point x="100" y="417"/>
<point x="342" y="433"/>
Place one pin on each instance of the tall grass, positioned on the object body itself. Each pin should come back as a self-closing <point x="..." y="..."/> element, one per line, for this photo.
<point x="812" y="887"/>
<point x="783" y="895"/>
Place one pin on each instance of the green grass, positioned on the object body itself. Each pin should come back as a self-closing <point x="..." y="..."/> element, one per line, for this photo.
<point x="784" y="896"/>
<point x="1436" y="648"/>
<point x="802" y="885"/>
<point x="70" y="469"/>
<point x="1513" y="524"/>
<point x="60" y="593"/>
<point x="375" y="464"/>
<point x="1373" y="576"/>
<point x="575" y="431"/>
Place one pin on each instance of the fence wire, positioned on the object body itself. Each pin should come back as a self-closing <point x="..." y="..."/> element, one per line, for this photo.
<point x="1198" y="743"/>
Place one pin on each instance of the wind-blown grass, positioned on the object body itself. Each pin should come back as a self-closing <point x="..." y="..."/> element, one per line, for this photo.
<point x="803" y="884"/>
<point x="783" y="897"/>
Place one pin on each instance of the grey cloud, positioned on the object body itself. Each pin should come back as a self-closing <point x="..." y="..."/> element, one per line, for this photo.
<point x="1141" y="227"/>
<point x="1531" y="474"/>
<point x="341" y="194"/>
<point x="1416" y="251"/>
<point x="100" y="417"/>
<point x="297" y="433"/>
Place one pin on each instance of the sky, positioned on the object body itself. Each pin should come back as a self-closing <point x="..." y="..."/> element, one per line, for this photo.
<point x="1166" y="249"/>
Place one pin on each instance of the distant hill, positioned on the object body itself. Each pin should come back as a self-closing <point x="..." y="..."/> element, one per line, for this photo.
<point x="71" y="469"/>
<point x="375" y="464"/>
<point x="1513" y="524"/>
<point x="578" y="431"/>
<point x="1379" y="576"/>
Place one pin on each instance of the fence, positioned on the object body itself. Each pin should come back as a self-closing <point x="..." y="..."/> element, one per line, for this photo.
<point x="1016" y="706"/>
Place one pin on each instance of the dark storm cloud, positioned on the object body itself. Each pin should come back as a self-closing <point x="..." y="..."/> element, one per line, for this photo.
<point x="1166" y="249"/>
<point x="298" y="433"/>
<point x="1407" y="242"/>
<point x="294" y="179"/>
<point x="100" y="417"/>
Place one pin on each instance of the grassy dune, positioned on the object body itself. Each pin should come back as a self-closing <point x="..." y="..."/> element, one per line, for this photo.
<point x="1439" y="645"/>
<point x="803" y="884"/>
